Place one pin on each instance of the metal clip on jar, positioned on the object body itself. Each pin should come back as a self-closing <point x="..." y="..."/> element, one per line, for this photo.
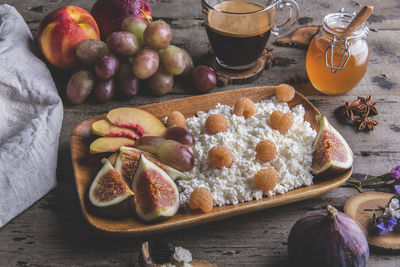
<point x="336" y="62"/>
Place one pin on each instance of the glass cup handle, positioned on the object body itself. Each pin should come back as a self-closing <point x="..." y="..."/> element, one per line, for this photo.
<point x="290" y="21"/>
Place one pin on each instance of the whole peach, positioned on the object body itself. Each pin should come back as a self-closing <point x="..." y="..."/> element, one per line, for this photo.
<point x="60" y="32"/>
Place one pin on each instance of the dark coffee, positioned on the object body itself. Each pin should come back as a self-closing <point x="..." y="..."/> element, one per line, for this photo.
<point x="238" y="39"/>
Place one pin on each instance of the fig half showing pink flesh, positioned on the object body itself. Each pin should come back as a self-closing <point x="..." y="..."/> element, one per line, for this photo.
<point x="156" y="194"/>
<point x="109" y="192"/>
<point x="331" y="153"/>
<point x="127" y="161"/>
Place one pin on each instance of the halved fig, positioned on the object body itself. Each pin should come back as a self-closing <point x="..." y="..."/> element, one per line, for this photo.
<point x="139" y="120"/>
<point x="127" y="161"/>
<point x="109" y="192"/>
<point x="109" y="144"/>
<point x="331" y="153"/>
<point x="156" y="194"/>
<point x="105" y="128"/>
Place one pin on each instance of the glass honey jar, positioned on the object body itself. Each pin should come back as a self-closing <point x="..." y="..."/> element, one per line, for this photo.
<point x="336" y="63"/>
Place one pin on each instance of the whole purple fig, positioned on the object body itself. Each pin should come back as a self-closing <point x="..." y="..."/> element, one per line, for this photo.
<point x="327" y="238"/>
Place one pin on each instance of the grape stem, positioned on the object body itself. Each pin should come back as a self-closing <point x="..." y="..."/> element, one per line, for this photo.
<point x="145" y="15"/>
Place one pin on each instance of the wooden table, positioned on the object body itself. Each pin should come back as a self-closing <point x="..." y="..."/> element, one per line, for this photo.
<point x="53" y="232"/>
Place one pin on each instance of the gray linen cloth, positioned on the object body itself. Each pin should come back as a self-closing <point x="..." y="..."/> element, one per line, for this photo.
<point x="30" y="119"/>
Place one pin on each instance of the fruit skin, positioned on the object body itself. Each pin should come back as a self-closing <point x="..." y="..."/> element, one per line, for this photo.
<point x="157" y="195"/>
<point x="145" y="63"/>
<point x="201" y="198"/>
<point x="136" y="26"/>
<point x="189" y="66"/>
<point x="327" y="142"/>
<point x="128" y="84"/>
<point x="149" y="143"/>
<point x="139" y="120"/>
<point x="109" y="14"/>
<point x="327" y="238"/>
<point x="128" y="157"/>
<point x="105" y="128"/>
<point x="203" y="78"/>
<point x="175" y="118"/>
<point x="79" y="86"/>
<point x="104" y="90"/>
<point x="161" y="82"/>
<point x="123" y="44"/>
<point x="106" y="66"/>
<point x="60" y="32"/>
<point x="244" y="107"/>
<point x="215" y="123"/>
<point x="157" y="35"/>
<point x="285" y="92"/>
<point x="180" y="134"/>
<point x="108" y="181"/>
<point x="89" y="50"/>
<point x="173" y="59"/>
<point x="176" y="155"/>
<point x="109" y="144"/>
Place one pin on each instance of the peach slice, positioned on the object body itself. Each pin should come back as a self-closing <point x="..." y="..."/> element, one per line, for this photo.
<point x="105" y="128"/>
<point x="139" y="120"/>
<point x="109" y="144"/>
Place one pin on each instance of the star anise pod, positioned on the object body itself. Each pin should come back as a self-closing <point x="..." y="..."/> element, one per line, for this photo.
<point x="349" y="108"/>
<point x="366" y="123"/>
<point x="368" y="105"/>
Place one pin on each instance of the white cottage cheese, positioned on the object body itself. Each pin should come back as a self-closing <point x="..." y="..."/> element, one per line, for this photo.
<point x="235" y="184"/>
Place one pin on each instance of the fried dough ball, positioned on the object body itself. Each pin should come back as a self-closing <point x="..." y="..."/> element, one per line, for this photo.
<point x="266" y="179"/>
<point x="266" y="151"/>
<point x="281" y="121"/>
<point x="284" y="92"/>
<point x="244" y="107"/>
<point x="216" y="123"/>
<point x="220" y="156"/>
<point x="201" y="198"/>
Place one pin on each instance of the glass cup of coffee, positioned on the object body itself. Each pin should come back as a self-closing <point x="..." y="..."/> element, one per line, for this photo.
<point x="239" y="30"/>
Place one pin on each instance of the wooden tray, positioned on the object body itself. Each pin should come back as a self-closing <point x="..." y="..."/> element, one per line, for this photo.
<point x="356" y="207"/>
<point x="86" y="166"/>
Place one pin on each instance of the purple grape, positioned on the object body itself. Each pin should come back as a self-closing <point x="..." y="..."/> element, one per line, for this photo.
<point x="187" y="72"/>
<point x="136" y="26"/>
<point x="145" y="63"/>
<point x="106" y="66"/>
<point x="157" y="35"/>
<point x="104" y="90"/>
<point x="180" y="134"/>
<point x="80" y="86"/>
<point x="123" y="44"/>
<point x="128" y="84"/>
<point x="89" y="50"/>
<point x="161" y="82"/>
<point x="173" y="60"/>
<point x="204" y="78"/>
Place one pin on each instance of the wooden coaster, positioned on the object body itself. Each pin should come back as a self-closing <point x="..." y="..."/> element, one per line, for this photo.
<point x="226" y="77"/>
<point x="356" y="207"/>
<point x="300" y="38"/>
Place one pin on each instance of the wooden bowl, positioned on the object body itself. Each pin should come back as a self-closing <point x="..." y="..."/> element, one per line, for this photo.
<point x="86" y="166"/>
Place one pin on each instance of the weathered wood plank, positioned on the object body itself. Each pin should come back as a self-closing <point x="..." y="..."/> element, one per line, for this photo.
<point x="53" y="232"/>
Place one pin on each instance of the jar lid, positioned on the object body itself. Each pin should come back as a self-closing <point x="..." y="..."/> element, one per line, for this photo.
<point x="335" y="23"/>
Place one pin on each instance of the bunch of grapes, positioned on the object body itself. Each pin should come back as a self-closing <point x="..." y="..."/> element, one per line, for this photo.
<point x="140" y="51"/>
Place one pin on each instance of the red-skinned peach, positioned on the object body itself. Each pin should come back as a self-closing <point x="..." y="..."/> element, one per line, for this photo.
<point x="60" y="32"/>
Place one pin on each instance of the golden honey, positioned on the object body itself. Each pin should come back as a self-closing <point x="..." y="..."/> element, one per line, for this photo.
<point x="327" y="53"/>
